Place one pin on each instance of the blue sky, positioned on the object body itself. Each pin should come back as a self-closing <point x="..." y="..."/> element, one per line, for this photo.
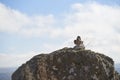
<point x="40" y="6"/>
<point x="45" y="7"/>
<point x="28" y="28"/>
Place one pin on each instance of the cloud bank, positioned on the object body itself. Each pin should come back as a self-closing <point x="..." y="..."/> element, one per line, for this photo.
<point x="97" y="24"/>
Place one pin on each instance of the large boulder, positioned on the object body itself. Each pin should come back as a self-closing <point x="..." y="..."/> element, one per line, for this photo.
<point x="68" y="64"/>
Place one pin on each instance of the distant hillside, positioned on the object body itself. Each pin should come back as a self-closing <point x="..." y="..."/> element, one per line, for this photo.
<point x="5" y="73"/>
<point x="117" y="67"/>
<point x="5" y="76"/>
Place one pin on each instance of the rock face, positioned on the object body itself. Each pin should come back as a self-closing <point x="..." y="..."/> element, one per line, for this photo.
<point x="68" y="64"/>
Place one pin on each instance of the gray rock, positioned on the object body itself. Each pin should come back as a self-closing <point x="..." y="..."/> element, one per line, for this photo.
<point x="68" y="64"/>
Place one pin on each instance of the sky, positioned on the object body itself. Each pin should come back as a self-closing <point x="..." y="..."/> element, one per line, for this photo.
<point x="29" y="28"/>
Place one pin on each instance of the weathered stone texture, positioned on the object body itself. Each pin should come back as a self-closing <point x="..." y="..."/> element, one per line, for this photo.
<point x="68" y="64"/>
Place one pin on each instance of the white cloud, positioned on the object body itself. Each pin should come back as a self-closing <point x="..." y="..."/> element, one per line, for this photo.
<point x="94" y="22"/>
<point x="16" y="22"/>
<point x="11" y="20"/>
<point x="92" y="18"/>
<point x="15" y="60"/>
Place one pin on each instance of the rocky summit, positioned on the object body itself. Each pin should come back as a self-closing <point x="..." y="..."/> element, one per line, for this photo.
<point x="68" y="64"/>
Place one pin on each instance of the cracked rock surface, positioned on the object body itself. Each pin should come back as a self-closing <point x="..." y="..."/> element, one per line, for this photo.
<point x="68" y="64"/>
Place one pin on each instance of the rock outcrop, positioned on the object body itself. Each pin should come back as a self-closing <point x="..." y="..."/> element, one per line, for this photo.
<point x="68" y="64"/>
